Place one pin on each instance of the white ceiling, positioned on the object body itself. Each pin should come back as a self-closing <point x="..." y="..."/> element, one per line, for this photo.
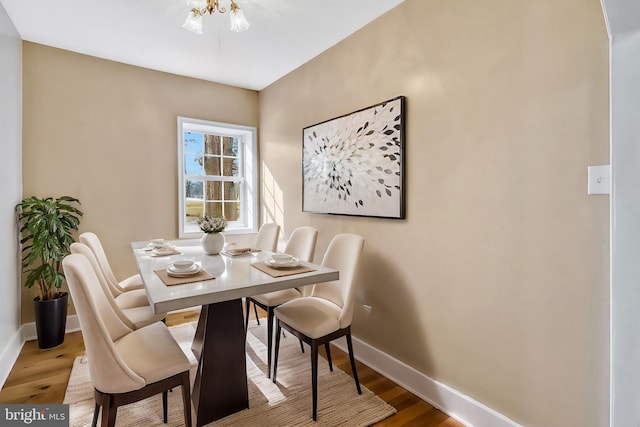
<point x="623" y="16"/>
<point x="284" y="34"/>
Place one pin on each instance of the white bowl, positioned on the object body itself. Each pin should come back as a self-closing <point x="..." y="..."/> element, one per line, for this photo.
<point x="183" y="264"/>
<point x="159" y="243"/>
<point x="281" y="257"/>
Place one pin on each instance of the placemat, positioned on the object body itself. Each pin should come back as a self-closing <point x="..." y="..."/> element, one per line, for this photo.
<point x="279" y="272"/>
<point x="170" y="280"/>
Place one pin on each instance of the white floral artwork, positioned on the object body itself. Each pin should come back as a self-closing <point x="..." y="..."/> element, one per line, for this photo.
<point x="354" y="165"/>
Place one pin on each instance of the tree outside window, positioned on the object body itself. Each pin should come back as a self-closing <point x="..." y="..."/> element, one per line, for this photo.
<point x="214" y="175"/>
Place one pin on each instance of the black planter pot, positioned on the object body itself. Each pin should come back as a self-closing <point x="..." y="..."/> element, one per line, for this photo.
<point x="51" y="320"/>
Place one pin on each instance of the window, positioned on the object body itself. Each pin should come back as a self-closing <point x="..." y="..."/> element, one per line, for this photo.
<point x="217" y="173"/>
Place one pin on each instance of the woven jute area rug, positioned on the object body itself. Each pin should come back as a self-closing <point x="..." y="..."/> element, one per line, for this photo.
<point x="287" y="403"/>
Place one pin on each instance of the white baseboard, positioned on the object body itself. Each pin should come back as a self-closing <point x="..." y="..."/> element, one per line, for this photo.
<point x="450" y="401"/>
<point x="10" y="355"/>
<point x="457" y="405"/>
<point x="29" y="329"/>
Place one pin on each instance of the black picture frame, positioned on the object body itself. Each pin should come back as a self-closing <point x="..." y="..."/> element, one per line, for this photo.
<point x="354" y="164"/>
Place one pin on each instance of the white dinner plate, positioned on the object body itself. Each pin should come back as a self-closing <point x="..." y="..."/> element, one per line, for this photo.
<point x="166" y="245"/>
<point x="164" y="251"/>
<point x="294" y="262"/>
<point x="173" y="269"/>
<point x="173" y="273"/>
<point x="239" y="251"/>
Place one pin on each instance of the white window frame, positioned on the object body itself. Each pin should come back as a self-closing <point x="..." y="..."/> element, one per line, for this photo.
<point x="249" y="164"/>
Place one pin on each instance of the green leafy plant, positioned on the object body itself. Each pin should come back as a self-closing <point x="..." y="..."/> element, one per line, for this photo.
<point x="46" y="225"/>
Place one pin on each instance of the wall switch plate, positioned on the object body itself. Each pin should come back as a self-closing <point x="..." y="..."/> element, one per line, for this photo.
<point x="599" y="179"/>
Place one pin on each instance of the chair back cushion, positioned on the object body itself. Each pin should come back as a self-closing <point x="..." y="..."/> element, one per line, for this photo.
<point x="100" y="327"/>
<point x="82" y="249"/>
<point x="343" y="254"/>
<point x="92" y="241"/>
<point x="267" y="238"/>
<point x="302" y="243"/>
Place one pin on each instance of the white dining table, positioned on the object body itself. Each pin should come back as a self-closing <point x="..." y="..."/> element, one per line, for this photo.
<point x="220" y="386"/>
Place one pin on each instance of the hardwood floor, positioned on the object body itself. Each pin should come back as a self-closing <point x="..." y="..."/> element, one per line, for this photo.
<point x="41" y="376"/>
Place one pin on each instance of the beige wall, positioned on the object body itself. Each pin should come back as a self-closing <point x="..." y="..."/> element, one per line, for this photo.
<point x="105" y="132"/>
<point x="497" y="282"/>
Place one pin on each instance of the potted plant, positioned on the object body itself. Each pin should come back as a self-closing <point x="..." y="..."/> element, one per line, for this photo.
<point x="46" y="225"/>
<point x="212" y="240"/>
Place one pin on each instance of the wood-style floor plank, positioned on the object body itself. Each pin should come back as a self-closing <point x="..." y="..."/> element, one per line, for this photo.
<point x="41" y="376"/>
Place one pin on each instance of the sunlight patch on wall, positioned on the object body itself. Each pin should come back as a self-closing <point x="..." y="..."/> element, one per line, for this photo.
<point x="272" y="198"/>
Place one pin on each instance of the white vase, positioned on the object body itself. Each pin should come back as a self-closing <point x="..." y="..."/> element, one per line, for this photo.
<point x="212" y="243"/>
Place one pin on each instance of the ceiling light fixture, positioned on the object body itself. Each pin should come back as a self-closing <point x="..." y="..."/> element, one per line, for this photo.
<point x="200" y="7"/>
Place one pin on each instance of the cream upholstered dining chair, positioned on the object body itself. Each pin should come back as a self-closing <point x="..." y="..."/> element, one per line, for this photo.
<point x="301" y="245"/>
<point x="125" y="365"/>
<point x="267" y="237"/>
<point x="133" y="317"/>
<point x="128" y="284"/>
<point x="266" y="240"/>
<point x="128" y="293"/>
<point x="326" y="314"/>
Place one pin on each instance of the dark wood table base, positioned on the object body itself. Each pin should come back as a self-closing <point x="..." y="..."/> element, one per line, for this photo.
<point x="220" y="387"/>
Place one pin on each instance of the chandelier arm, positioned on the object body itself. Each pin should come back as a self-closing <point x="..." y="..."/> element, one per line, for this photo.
<point x="200" y="7"/>
<point x="213" y="5"/>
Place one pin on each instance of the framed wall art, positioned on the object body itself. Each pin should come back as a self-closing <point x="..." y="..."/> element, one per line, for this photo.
<point x="354" y="164"/>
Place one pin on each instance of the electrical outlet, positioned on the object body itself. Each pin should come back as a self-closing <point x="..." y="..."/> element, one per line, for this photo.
<point x="599" y="179"/>
<point x="367" y="309"/>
